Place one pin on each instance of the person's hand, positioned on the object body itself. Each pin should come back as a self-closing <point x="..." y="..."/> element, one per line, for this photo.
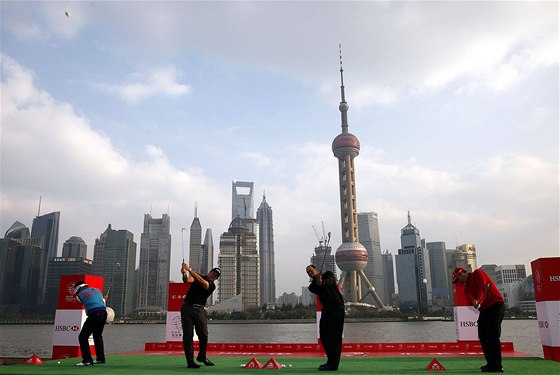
<point x="475" y="304"/>
<point x="319" y="279"/>
<point x="185" y="268"/>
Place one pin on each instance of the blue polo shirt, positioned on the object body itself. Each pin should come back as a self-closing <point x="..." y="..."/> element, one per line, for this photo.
<point x="92" y="299"/>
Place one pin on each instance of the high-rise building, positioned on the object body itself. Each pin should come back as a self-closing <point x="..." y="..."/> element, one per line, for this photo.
<point x="510" y="273"/>
<point x="490" y="270"/>
<point x="323" y="259"/>
<point x="266" y="253"/>
<point x="46" y="226"/>
<point x="20" y="262"/>
<point x="59" y="266"/>
<point x="351" y="255"/>
<point x="239" y="261"/>
<point x="467" y="253"/>
<point x="114" y="258"/>
<point x="155" y="258"/>
<point x="74" y="247"/>
<point x="207" y="257"/>
<point x="207" y="262"/>
<point x="388" y="277"/>
<point x="195" y="244"/>
<point x="242" y="204"/>
<point x="413" y="271"/>
<point x="438" y="270"/>
<point x="508" y="281"/>
<point x="368" y="230"/>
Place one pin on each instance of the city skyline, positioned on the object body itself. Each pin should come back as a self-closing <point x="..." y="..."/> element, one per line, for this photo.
<point x="455" y="105"/>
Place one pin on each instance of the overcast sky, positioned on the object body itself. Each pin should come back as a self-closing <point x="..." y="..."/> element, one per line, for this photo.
<point x="111" y="110"/>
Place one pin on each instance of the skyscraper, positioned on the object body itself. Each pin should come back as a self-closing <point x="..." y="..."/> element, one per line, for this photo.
<point x="239" y="261"/>
<point x="438" y="269"/>
<point x="323" y="259"/>
<point x="46" y="227"/>
<point x="468" y="251"/>
<point x="114" y="258"/>
<point x="266" y="253"/>
<point x="155" y="257"/>
<point x="207" y="262"/>
<point x="351" y="256"/>
<point x="207" y="257"/>
<point x="413" y="271"/>
<point x="388" y="277"/>
<point x="195" y="244"/>
<point x="20" y="261"/>
<point x="368" y="230"/>
<point x="74" y="247"/>
<point x="242" y="200"/>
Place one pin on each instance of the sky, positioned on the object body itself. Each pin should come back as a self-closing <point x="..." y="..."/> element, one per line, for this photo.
<point x="112" y="110"/>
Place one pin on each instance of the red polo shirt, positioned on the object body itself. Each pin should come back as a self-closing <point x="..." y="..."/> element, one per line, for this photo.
<point x="475" y="289"/>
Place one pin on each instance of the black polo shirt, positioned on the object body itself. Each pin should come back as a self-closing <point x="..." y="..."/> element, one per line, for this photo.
<point x="197" y="294"/>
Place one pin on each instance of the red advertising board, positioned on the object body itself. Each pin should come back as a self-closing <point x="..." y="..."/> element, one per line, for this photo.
<point x="546" y="279"/>
<point x="177" y="293"/>
<point x="66" y="298"/>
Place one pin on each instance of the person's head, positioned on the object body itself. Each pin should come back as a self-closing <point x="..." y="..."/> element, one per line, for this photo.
<point x="214" y="274"/>
<point x="79" y="285"/>
<point x="311" y="270"/>
<point x="459" y="275"/>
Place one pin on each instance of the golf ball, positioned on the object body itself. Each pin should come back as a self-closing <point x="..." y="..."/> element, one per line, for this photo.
<point x="59" y="362"/>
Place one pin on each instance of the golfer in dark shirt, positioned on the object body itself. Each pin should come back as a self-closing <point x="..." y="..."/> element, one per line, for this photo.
<point x="193" y="313"/>
<point x="332" y="316"/>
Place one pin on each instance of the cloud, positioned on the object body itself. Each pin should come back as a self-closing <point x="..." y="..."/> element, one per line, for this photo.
<point x="153" y="82"/>
<point x="257" y="158"/>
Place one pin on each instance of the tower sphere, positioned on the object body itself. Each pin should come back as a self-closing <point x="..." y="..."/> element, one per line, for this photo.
<point x="351" y="256"/>
<point x="346" y="144"/>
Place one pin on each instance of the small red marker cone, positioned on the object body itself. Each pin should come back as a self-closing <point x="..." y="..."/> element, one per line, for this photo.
<point x="253" y="364"/>
<point x="272" y="365"/>
<point x="33" y="360"/>
<point x="435" y="366"/>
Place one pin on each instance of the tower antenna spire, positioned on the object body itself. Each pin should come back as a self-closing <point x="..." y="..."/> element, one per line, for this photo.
<point x="341" y="75"/>
<point x="343" y="107"/>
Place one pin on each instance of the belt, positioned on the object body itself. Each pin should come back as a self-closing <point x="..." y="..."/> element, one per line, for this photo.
<point x="195" y="305"/>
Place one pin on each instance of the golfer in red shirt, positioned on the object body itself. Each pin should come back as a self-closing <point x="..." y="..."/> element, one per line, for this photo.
<point x="484" y="296"/>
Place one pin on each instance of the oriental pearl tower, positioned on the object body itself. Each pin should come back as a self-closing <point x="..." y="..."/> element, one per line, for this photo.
<point x="351" y="256"/>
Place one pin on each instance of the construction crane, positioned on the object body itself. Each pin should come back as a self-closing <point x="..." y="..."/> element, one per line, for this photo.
<point x="317" y="234"/>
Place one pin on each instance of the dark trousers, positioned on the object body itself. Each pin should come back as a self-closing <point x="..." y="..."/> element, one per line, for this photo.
<point x="330" y="333"/>
<point x="194" y="317"/>
<point x="489" y="331"/>
<point x="94" y="323"/>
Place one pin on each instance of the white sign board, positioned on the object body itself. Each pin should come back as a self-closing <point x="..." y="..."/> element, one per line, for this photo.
<point x="466" y="326"/>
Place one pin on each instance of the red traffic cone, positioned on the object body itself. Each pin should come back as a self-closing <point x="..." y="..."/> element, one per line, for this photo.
<point x="253" y="363"/>
<point x="33" y="360"/>
<point x="272" y="365"/>
<point x="435" y="366"/>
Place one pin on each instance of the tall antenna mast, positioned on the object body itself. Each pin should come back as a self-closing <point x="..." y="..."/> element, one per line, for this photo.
<point x="343" y="107"/>
<point x="39" y="209"/>
<point x="195" y="209"/>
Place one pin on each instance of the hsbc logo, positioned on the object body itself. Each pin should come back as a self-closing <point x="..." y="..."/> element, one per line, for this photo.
<point x="468" y="324"/>
<point x="538" y="284"/>
<point x="67" y="328"/>
<point x="555" y="278"/>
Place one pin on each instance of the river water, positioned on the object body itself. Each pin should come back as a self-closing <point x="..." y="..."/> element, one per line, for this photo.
<point x="23" y="340"/>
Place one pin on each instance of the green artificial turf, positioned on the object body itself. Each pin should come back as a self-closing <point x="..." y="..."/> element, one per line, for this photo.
<point x="162" y="364"/>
